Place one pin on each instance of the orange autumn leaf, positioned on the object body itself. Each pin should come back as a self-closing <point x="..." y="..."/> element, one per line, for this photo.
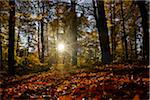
<point x="66" y="97"/>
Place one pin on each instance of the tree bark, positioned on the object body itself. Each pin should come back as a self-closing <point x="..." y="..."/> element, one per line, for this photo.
<point x="42" y="37"/>
<point x="135" y="44"/>
<point x="42" y="41"/>
<point x="18" y="39"/>
<point x="112" y="30"/>
<point x="74" y="33"/>
<point x="47" y="41"/>
<point x="0" y="48"/>
<point x="124" y="32"/>
<point x="38" y="46"/>
<point x="101" y="24"/>
<point x="131" y="50"/>
<point x="27" y="52"/>
<point x="145" y="25"/>
<point x="39" y="41"/>
<point x="11" y="61"/>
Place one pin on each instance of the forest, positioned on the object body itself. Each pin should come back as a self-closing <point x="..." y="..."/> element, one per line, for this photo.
<point x="74" y="50"/>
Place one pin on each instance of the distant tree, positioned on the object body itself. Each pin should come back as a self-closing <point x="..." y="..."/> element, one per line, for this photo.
<point x="101" y="24"/>
<point x="145" y="24"/>
<point x="4" y="6"/>
<point x="112" y="29"/>
<point x="135" y="43"/>
<point x="74" y="32"/>
<point x="11" y="61"/>
<point x="38" y="45"/>
<point x="18" y="40"/>
<point x="124" y="33"/>
<point x="0" y="48"/>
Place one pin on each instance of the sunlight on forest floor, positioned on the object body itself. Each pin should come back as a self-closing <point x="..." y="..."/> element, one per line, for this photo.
<point x="112" y="82"/>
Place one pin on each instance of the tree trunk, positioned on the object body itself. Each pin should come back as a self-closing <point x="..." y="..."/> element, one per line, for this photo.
<point x="11" y="61"/>
<point x="18" y="39"/>
<point x="47" y="42"/>
<point x="39" y="40"/>
<point x="145" y="25"/>
<point x="42" y="41"/>
<point x="135" y="44"/>
<point x="124" y="32"/>
<point x="38" y="46"/>
<point x="103" y="31"/>
<point x="27" y="52"/>
<point x="74" y="33"/>
<point x="113" y="30"/>
<point x="42" y="37"/>
<point x="0" y="48"/>
<point x="131" y="50"/>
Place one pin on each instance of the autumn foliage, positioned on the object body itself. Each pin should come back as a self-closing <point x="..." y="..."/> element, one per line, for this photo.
<point x="116" y="82"/>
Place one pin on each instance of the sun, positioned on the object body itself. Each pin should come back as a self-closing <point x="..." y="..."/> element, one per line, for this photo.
<point x="61" y="47"/>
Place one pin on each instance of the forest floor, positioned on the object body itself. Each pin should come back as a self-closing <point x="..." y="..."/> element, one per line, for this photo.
<point x="116" y="82"/>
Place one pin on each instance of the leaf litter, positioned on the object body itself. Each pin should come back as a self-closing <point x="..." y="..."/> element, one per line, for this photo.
<point x="123" y="82"/>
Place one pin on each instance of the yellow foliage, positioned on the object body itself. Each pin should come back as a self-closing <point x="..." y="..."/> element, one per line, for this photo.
<point x="33" y="60"/>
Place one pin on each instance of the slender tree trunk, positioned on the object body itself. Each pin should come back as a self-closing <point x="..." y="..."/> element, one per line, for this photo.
<point x="131" y="50"/>
<point x="112" y="29"/>
<point x="11" y="61"/>
<point x="18" y="39"/>
<point x="39" y="51"/>
<point x="145" y="25"/>
<point x="123" y="48"/>
<point x="39" y="40"/>
<point x="103" y="31"/>
<point x="0" y="48"/>
<point x="42" y="41"/>
<point x="55" y="42"/>
<point x="114" y="33"/>
<point x="47" y="43"/>
<point x="28" y="45"/>
<point x="124" y="32"/>
<point x="42" y="38"/>
<point x="135" y="44"/>
<point x="74" y="33"/>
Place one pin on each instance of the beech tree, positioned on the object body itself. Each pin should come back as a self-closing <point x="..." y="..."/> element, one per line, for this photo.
<point x="124" y="33"/>
<point x="42" y="35"/>
<point x="102" y="30"/>
<point x="144" y="14"/>
<point x="11" y="60"/>
<point x="0" y="49"/>
<point x="74" y="33"/>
